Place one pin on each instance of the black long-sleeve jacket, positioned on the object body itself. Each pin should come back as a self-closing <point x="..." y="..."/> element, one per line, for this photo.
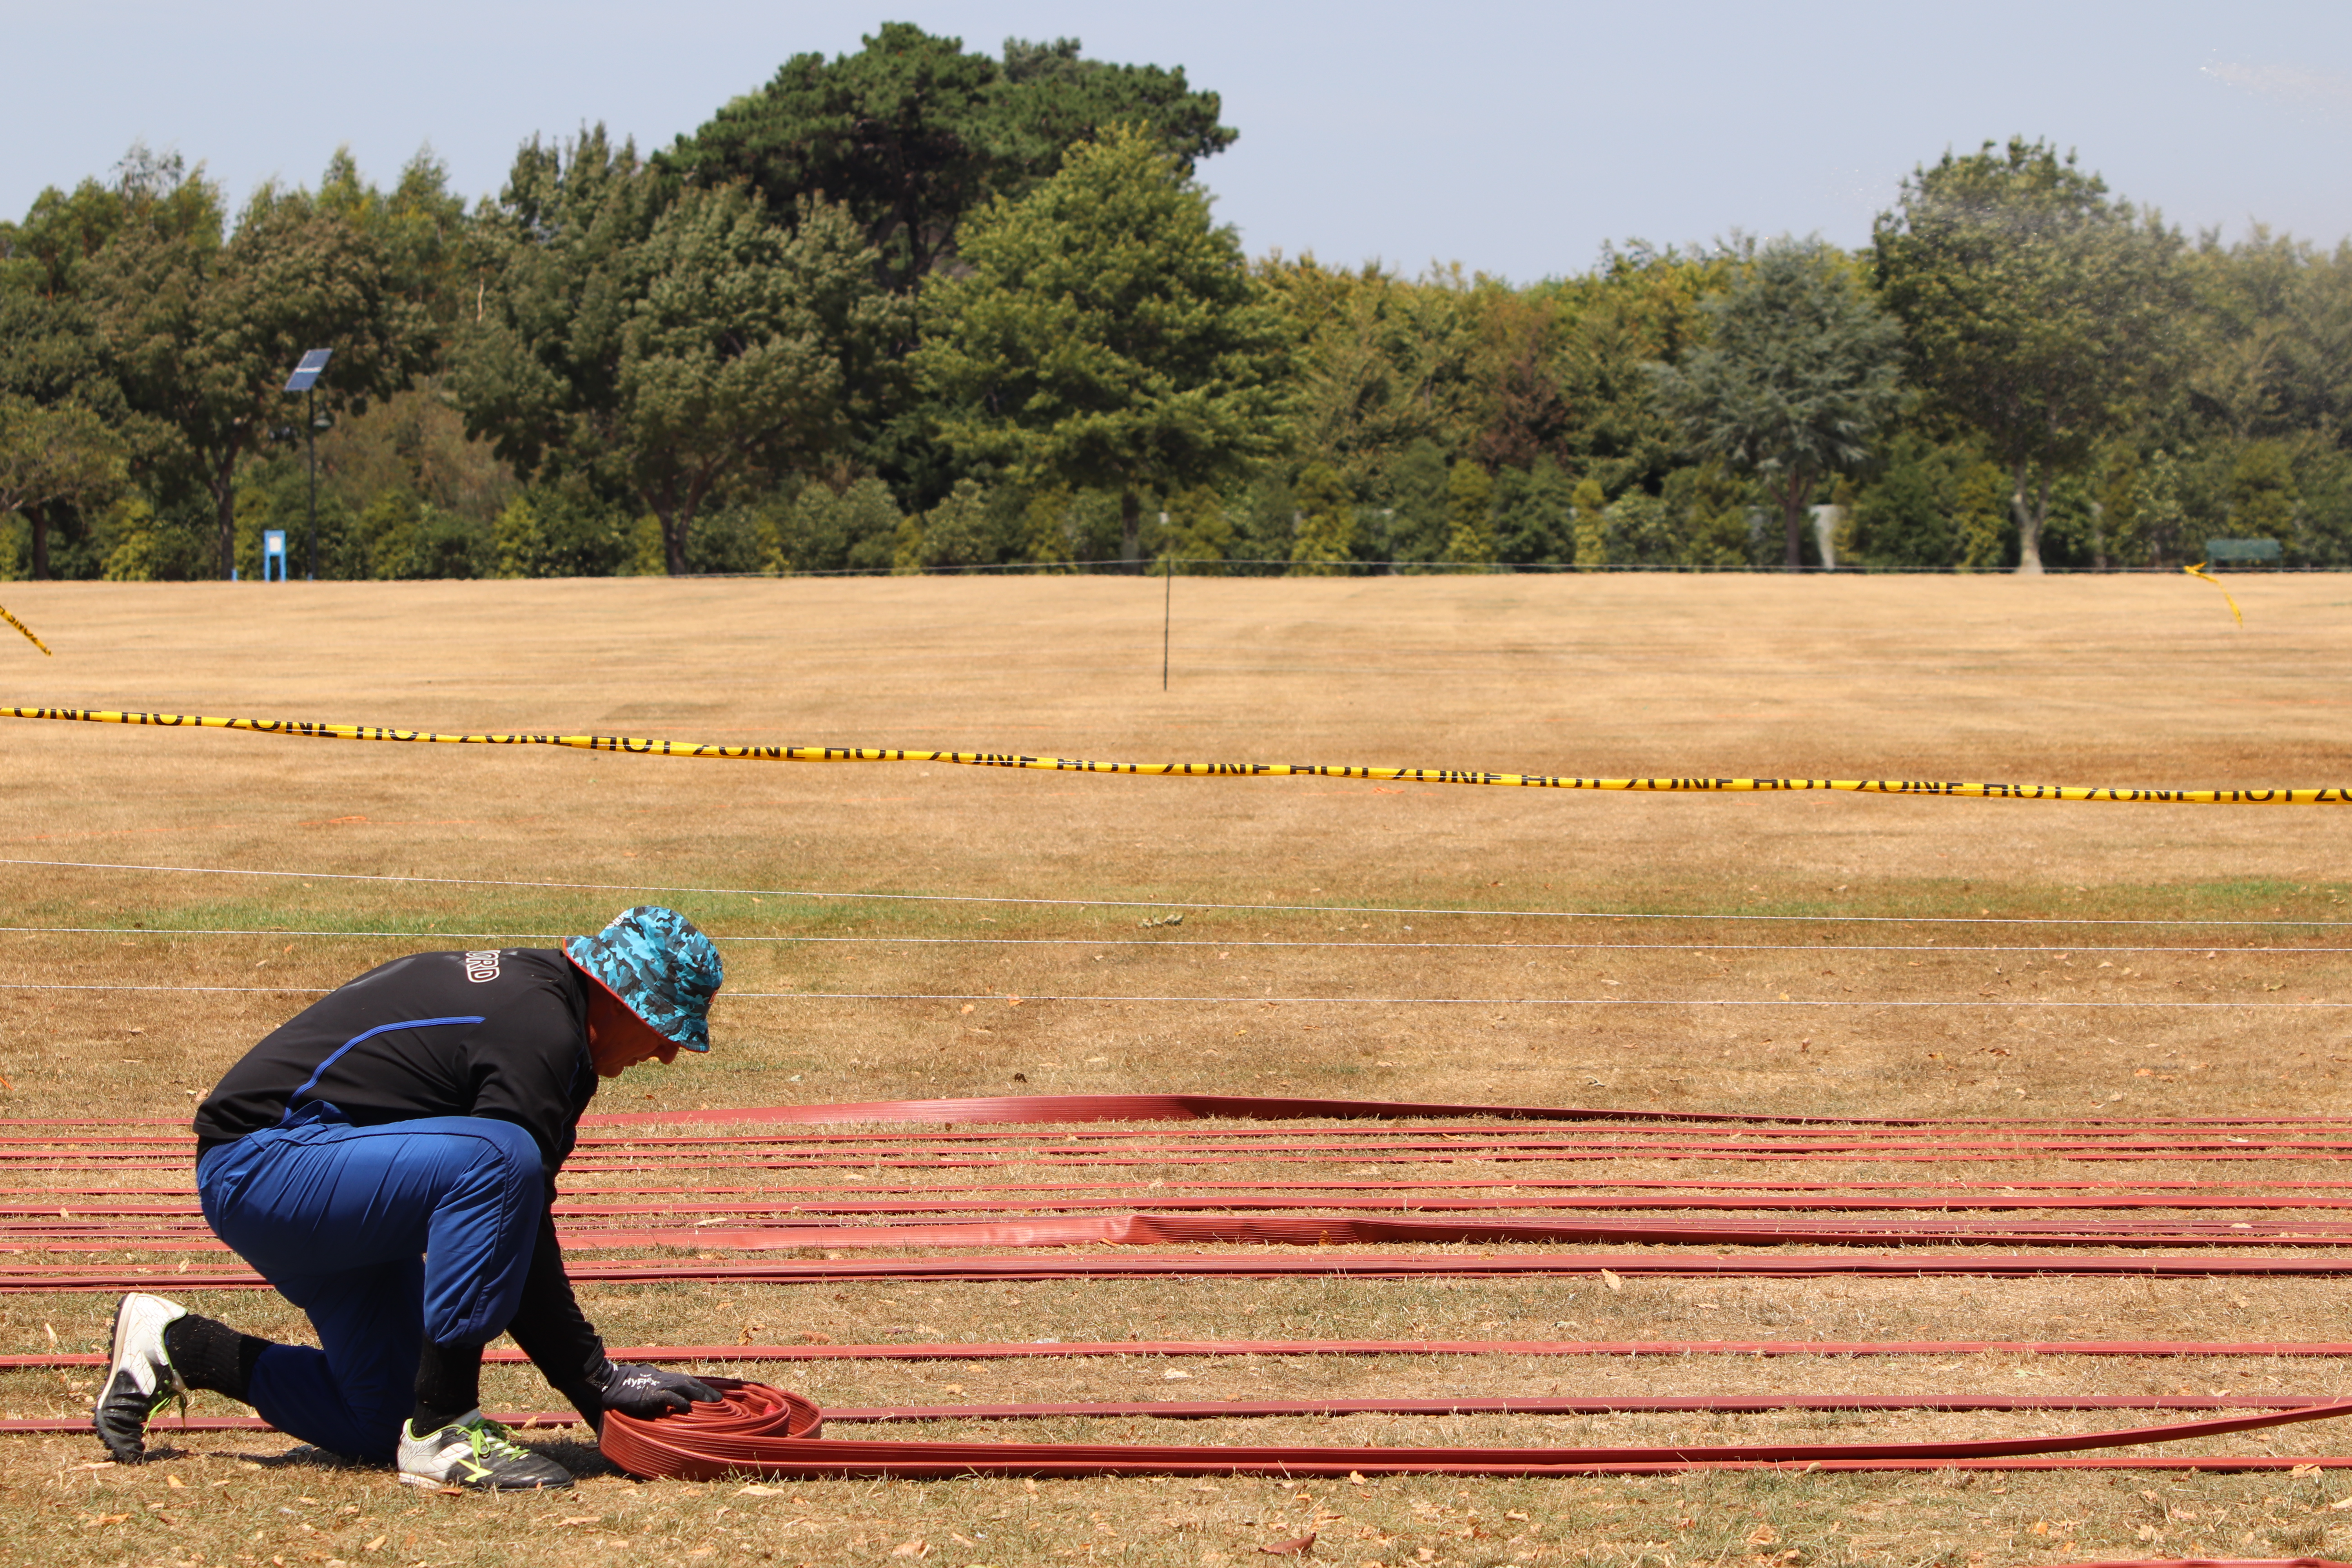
<point x="501" y="1034"/>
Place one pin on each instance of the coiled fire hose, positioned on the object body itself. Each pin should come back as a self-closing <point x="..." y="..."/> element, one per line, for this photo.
<point x="758" y="1430"/>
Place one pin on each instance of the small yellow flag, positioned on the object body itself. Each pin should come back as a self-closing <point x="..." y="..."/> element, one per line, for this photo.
<point x="2195" y="571"/>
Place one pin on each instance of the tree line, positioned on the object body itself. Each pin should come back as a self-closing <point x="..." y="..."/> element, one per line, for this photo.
<point x="917" y="308"/>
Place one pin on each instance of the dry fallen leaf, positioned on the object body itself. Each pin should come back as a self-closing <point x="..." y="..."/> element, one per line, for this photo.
<point x="1172" y="1376"/>
<point x="1611" y="1280"/>
<point x="756" y="1490"/>
<point x="175" y="1483"/>
<point x="1298" y="1548"/>
<point x="377" y="1544"/>
<point x="918" y="1547"/>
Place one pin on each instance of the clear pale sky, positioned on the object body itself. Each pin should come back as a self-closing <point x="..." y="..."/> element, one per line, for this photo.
<point x="1513" y="138"/>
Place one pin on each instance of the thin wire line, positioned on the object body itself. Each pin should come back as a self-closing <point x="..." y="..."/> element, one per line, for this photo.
<point x="2086" y="949"/>
<point x="1156" y="903"/>
<point x="1146" y="567"/>
<point x="1266" y="1001"/>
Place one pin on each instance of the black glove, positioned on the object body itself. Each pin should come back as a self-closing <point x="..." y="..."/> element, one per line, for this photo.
<point x="646" y="1392"/>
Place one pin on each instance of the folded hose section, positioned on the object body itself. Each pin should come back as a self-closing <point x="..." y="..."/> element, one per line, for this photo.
<point x="1051" y="1109"/>
<point x="754" y="1429"/>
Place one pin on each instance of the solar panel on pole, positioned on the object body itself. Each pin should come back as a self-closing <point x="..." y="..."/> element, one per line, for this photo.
<point x="305" y="380"/>
<point x="306" y="375"/>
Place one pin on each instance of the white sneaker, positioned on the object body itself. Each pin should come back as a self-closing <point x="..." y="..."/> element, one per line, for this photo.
<point x="474" y="1451"/>
<point x="140" y="1382"/>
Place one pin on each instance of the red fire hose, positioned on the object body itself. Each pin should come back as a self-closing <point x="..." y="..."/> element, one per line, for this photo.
<point x="758" y="1430"/>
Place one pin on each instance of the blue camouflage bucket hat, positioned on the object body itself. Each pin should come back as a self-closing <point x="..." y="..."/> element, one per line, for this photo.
<point x="655" y="960"/>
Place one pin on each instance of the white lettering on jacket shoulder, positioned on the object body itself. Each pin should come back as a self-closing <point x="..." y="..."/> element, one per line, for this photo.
<point x="481" y="968"/>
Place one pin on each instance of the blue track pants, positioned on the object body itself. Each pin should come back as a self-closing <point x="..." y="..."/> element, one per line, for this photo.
<point x="385" y="1236"/>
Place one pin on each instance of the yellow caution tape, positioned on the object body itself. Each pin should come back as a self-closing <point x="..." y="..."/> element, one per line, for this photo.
<point x="2199" y="570"/>
<point x="21" y="626"/>
<point x="297" y="727"/>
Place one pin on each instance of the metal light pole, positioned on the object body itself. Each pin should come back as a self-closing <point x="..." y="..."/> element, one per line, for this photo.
<point x="305" y="380"/>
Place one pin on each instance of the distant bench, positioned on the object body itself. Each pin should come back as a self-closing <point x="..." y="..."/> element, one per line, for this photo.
<point x="2242" y="553"/>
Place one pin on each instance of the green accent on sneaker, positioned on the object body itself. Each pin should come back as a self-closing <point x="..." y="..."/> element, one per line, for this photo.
<point x="487" y="1443"/>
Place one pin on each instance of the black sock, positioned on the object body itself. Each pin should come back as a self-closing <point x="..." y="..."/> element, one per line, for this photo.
<point x="448" y="1385"/>
<point x="213" y="1355"/>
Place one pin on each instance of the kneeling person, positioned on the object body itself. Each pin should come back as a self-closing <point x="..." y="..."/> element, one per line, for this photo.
<point x="386" y="1159"/>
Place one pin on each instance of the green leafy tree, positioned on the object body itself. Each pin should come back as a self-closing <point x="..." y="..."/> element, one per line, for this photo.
<point x="1531" y="515"/>
<point x="543" y="533"/>
<point x="1416" y="480"/>
<point x="2262" y="491"/>
<point x="962" y="531"/>
<point x="2036" y="310"/>
<point x="1523" y="413"/>
<point x="536" y="369"/>
<point x="1799" y="373"/>
<point x="1907" y="514"/>
<point x="63" y="453"/>
<point x="1049" y="528"/>
<point x="1469" y="515"/>
<point x="1709" y="503"/>
<point x="672" y="351"/>
<point x="2115" y="514"/>
<point x="1385" y="367"/>
<point x="1107" y="335"/>
<point x="1639" y="308"/>
<point x="1267" y="520"/>
<point x="1050" y="98"/>
<point x="742" y="350"/>
<point x="1591" y="510"/>
<point x="1327" y="523"/>
<point x="2157" y="507"/>
<point x="1979" y="499"/>
<point x="912" y="134"/>
<point x="200" y="330"/>
<point x="52" y="350"/>
<point x="1199" y="532"/>
<point x="415" y="440"/>
<point x="853" y="528"/>
<point x="2269" y="351"/>
<point x="1642" y="530"/>
<point x="417" y="228"/>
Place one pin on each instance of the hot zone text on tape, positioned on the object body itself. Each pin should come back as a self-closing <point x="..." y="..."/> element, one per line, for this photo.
<point x="2327" y="795"/>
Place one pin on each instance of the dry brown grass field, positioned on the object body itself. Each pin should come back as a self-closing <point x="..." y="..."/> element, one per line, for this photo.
<point x="1341" y="939"/>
